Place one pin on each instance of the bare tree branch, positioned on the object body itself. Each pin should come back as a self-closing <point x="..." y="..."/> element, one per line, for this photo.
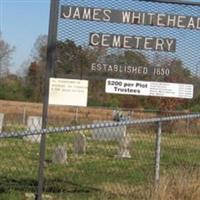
<point x="5" y="56"/>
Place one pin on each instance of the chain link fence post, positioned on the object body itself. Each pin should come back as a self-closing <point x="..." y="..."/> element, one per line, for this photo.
<point x="157" y="154"/>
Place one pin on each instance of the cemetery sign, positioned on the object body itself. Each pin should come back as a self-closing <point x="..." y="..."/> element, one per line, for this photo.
<point x="137" y="40"/>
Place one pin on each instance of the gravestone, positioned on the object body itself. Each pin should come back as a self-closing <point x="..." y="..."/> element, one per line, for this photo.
<point x="124" y="146"/>
<point x="108" y="133"/>
<point x="119" y="116"/>
<point x="34" y="123"/>
<point x="1" y="121"/>
<point x="80" y="144"/>
<point x="60" y="155"/>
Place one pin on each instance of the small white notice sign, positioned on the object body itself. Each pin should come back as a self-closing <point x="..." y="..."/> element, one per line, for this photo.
<point x="70" y="92"/>
<point x="149" y="88"/>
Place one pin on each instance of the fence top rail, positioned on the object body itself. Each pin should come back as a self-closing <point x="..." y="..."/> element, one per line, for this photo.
<point x="52" y="130"/>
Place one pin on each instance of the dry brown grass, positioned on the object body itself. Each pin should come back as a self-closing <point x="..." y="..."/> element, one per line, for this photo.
<point x="18" y="108"/>
<point x="182" y="185"/>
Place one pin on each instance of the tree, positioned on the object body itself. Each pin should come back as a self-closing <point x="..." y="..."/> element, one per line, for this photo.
<point x="39" y="49"/>
<point x="12" y="88"/>
<point x="5" y="55"/>
<point x="36" y="70"/>
<point x="35" y="82"/>
<point x="74" y="60"/>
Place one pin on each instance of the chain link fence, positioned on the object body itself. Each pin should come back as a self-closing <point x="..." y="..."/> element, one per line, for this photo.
<point x="111" y="158"/>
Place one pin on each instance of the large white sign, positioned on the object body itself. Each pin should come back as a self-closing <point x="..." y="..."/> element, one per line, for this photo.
<point x="70" y="92"/>
<point x="148" y="88"/>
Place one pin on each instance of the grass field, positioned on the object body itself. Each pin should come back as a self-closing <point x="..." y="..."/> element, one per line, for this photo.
<point x="99" y="174"/>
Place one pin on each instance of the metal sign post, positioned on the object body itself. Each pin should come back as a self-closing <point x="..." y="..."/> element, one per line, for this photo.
<point x="51" y="47"/>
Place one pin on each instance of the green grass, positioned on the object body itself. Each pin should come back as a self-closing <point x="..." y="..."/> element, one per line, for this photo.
<point x="97" y="175"/>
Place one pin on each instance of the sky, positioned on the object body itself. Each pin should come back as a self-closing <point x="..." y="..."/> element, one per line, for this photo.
<point x="21" y="22"/>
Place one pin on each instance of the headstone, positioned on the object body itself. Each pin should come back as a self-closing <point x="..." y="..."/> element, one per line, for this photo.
<point x="60" y="155"/>
<point x="108" y="133"/>
<point x="124" y="146"/>
<point x="1" y="121"/>
<point x="119" y="116"/>
<point x="34" y="123"/>
<point x="80" y="144"/>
